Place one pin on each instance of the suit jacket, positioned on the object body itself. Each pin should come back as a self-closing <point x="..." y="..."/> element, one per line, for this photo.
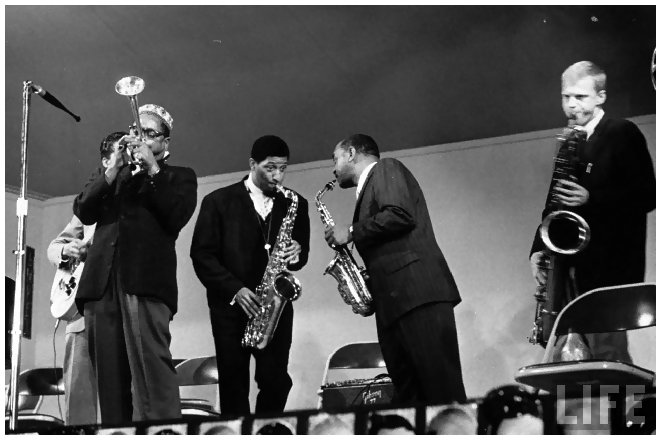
<point x="393" y="233"/>
<point x="228" y="243"/>
<point x="138" y="217"/>
<point x="617" y="171"/>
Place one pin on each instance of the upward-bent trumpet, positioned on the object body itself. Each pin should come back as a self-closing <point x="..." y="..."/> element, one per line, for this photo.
<point x="131" y="87"/>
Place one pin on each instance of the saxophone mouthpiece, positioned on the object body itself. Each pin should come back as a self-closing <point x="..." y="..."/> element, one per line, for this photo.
<point x="330" y="185"/>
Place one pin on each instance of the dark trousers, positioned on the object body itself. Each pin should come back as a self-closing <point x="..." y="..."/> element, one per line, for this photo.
<point x="422" y="356"/>
<point x="129" y="340"/>
<point x="233" y="361"/>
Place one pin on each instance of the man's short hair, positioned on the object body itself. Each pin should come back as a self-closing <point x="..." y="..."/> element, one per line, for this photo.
<point x="363" y="143"/>
<point x="586" y="68"/>
<point x="269" y="145"/>
<point x="106" y="144"/>
<point x="388" y="421"/>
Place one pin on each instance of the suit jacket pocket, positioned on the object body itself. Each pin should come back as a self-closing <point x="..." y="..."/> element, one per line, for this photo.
<point x="393" y="262"/>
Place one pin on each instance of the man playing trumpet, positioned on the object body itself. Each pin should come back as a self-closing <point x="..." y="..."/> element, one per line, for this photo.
<point x="128" y="288"/>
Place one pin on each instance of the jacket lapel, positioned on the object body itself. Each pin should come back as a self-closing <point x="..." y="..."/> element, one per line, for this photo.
<point x="244" y="196"/>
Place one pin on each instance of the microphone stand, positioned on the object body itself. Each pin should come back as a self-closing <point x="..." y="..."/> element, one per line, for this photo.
<point x="21" y="213"/>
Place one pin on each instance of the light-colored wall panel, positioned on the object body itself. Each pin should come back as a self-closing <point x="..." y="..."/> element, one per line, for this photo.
<point x="485" y="198"/>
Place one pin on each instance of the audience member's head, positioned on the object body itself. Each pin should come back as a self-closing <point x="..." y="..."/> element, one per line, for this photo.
<point x="220" y="430"/>
<point x="390" y="424"/>
<point x="331" y="425"/>
<point x="510" y="409"/>
<point x="275" y="428"/>
<point x="453" y="420"/>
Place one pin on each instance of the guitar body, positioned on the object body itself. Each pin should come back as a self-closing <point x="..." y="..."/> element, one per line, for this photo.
<point x="63" y="292"/>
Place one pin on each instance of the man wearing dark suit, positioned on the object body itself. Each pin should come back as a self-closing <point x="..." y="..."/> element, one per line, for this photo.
<point x="413" y="289"/>
<point x="128" y="289"/>
<point x="236" y="229"/>
<point x="614" y="191"/>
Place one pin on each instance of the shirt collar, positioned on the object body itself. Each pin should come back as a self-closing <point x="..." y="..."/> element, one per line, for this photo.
<point x="590" y="126"/>
<point x="252" y="188"/>
<point x="363" y="178"/>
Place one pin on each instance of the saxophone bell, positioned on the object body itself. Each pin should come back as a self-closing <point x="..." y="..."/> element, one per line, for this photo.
<point x="287" y="286"/>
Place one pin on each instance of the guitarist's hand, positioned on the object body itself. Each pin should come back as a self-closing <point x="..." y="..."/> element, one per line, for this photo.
<point x="76" y="249"/>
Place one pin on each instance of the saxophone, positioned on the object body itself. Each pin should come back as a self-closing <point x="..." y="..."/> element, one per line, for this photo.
<point x="564" y="233"/>
<point x="350" y="278"/>
<point x="277" y="286"/>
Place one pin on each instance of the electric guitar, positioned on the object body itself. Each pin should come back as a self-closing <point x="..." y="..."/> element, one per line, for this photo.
<point x="63" y="292"/>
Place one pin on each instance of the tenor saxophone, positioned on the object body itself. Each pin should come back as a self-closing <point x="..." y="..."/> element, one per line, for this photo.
<point x="277" y="286"/>
<point x="350" y="278"/>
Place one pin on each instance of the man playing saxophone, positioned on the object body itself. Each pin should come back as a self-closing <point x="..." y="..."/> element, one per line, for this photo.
<point x="613" y="191"/>
<point x="414" y="292"/>
<point x="233" y="245"/>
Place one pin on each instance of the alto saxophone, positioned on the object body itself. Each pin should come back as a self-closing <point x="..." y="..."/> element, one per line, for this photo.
<point x="350" y="278"/>
<point x="564" y="233"/>
<point x="277" y="286"/>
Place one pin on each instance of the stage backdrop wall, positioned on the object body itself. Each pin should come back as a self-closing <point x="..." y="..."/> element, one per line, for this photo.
<point x="485" y="198"/>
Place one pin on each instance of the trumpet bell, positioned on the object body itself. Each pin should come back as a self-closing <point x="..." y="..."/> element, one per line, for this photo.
<point x="130" y="86"/>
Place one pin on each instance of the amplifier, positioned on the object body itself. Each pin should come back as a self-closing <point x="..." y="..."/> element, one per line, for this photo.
<point x="356" y="392"/>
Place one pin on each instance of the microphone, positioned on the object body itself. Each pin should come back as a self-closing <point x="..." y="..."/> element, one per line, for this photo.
<point x="53" y="100"/>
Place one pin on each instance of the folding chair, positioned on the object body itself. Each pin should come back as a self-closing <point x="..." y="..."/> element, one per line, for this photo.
<point x="607" y="309"/>
<point x="192" y="372"/>
<point x="32" y="386"/>
<point x="356" y="355"/>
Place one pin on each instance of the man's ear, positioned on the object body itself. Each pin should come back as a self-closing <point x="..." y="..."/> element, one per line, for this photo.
<point x="601" y="95"/>
<point x="104" y="162"/>
<point x="166" y="143"/>
<point x="252" y="163"/>
<point x="352" y="153"/>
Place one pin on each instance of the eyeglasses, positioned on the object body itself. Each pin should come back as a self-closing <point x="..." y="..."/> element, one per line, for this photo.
<point x="149" y="133"/>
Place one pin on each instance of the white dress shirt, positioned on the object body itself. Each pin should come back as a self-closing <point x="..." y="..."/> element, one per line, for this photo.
<point x="263" y="203"/>
<point x="363" y="178"/>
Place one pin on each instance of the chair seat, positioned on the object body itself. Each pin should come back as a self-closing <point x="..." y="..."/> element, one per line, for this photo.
<point x="34" y="422"/>
<point x="196" y="404"/>
<point x="574" y="374"/>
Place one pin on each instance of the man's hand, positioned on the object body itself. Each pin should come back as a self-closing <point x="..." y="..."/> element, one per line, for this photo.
<point x="571" y="193"/>
<point x="141" y="152"/>
<point x="116" y="160"/>
<point x="337" y="235"/>
<point x="291" y="252"/>
<point x="539" y="263"/>
<point x="248" y="301"/>
<point x="76" y="249"/>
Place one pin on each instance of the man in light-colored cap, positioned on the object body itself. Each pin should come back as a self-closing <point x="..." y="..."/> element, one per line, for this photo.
<point x="128" y="289"/>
